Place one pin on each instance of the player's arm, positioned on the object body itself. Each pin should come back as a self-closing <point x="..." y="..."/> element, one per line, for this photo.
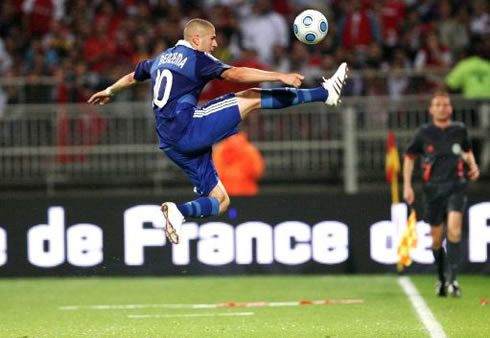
<point x="104" y="96"/>
<point x="474" y="171"/>
<point x="408" y="165"/>
<point x="251" y="75"/>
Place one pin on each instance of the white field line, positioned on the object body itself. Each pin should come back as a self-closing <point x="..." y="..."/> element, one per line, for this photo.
<point x="209" y="306"/>
<point x="425" y="314"/>
<point x="185" y="315"/>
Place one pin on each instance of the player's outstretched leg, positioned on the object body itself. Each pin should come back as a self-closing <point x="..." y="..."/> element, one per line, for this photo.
<point x="277" y="98"/>
<point x="330" y="92"/>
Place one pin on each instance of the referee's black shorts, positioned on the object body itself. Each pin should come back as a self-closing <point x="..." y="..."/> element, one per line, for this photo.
<point x="440" y="198"/>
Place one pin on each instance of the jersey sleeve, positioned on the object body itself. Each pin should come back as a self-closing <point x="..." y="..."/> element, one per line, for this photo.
<point x="210" y="67"/>
<point x="142" y="71"/>
<point x="416" y="145"/>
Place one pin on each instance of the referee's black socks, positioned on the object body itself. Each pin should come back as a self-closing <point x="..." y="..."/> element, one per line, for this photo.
<point x="453" y="252"/>
<point x="440" y="257"/>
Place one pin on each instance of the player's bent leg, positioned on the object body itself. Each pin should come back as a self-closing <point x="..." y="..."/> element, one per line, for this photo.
<point x="219" y="192"/>
<point x="200" y="169"/>
<point x="248" y="101"/>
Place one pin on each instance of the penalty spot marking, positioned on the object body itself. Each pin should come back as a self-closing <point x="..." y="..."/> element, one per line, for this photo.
<point x="186" y="315"/>
<point x="209" y="306"/>
<point x="425" y="314"/>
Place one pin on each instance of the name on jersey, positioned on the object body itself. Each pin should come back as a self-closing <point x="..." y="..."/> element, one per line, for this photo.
<point x="173" y="58"/>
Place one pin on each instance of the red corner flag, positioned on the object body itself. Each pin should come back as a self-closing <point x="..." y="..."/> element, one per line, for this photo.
<point x="408" y="242"/>
<point x="392" y="166"/>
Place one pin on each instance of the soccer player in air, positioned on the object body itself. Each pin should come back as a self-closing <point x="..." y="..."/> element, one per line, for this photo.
<point x="187" y="132"/>
<point x="445" y="148"/>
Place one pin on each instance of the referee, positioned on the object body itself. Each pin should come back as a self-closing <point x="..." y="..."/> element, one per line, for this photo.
<point x="447" y="161"/>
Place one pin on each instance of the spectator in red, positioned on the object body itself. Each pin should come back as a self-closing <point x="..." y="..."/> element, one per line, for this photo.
<point x="125" y="50"/>
<point x="434" y="55"/>
<point x="392" y="15"/>
<point x="39" y="14"/>
<point x="358" y="27"/>
<point x="114" y="18"/>
<point x="84" y="127"/>
<point x="100" y="51"/>
<point x="239" y="165"/>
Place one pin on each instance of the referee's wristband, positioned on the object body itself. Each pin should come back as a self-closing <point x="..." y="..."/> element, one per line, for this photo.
<point x="109" y="92"/>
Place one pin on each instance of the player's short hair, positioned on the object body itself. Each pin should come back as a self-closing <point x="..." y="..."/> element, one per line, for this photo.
<point x="437" y="93"/>
<point x="196" y="25"/>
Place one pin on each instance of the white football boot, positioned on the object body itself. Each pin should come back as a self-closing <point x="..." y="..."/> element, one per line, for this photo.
<point x="334" y="85"/>
<point x="173" y="221"/>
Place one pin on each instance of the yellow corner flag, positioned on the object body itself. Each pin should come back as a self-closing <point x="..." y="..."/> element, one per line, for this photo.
<point x="392" y="167"/>
<point x="408" y="242"/>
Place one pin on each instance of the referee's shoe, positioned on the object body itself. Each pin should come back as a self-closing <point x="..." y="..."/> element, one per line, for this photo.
<point x="441" y="288"/>
<point x="453" y="289"/>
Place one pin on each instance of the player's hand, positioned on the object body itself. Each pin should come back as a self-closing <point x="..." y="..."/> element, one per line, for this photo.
<point x="292" y="79"/>
<point x="101" y="97"/>
<point x="474" y="173"/>
<point x="408" y="195"/>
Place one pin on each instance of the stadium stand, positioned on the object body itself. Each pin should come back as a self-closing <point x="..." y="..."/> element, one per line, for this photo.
<point x="55" y="53"/>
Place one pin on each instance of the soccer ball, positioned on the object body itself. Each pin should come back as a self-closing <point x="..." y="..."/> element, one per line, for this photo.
<point x="310" y="26"/>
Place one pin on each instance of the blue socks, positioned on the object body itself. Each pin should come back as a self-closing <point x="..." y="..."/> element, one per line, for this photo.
<point x="284" y="97"/>
<point x="202" y="207"/>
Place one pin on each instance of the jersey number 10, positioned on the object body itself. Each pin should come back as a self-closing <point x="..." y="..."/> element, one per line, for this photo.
<point x="160" y="103"/>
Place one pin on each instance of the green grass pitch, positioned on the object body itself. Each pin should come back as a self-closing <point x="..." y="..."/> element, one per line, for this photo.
<point x="33" y="307"/>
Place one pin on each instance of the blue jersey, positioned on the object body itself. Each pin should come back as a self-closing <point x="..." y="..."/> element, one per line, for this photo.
<point x="178" y="76"/>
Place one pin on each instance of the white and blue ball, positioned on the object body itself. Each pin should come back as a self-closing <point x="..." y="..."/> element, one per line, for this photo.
<point x="310" y="26"/>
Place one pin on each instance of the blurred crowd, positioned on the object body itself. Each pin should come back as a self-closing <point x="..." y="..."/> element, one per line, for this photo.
<point x="86" y="45"/>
